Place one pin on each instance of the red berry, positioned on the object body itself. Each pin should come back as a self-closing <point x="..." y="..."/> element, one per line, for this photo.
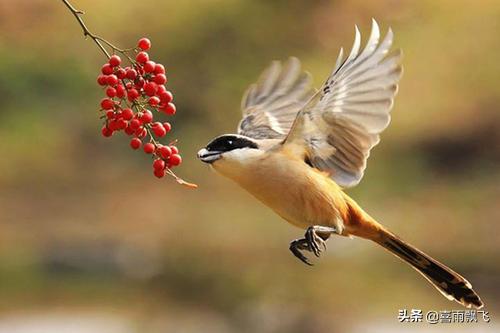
<point x="144" y="44"/>
<point x="121" y="73"/>
<point x="131" y="74"/>
<point x="175" y="159"/>
<point x="121" y="123"/>
<point x="110" y="114"/>
<point x="161" y="89"/>
<point x="164" y="151"/>
<point x="153" y="101"/>
<point x="159" y="69"/>
<point x="159" y="164"/>
<point x="159" y="130"/>
<point x="149" y="148"/>
<point x="169" y="109"/>
<point x="107" y="69"/>
<point x="174" y="149"/>
<point x="142" y="57"/>
<point x="135" y="143"/>
<point x="111" y="92"/>
<point x="107" y="104"/>
<point x="112" y="80"/>
<point x="135" y="124"/>
<point x="146" y="117"/>
<point x="167" y="126"/>
<point x="132" y="94"/>
<point x="113" y="125"/>
<point x="150" y="88"/>
<point x="101" y="80"/>
<point x="127" y="114"/>
<point x="166" y="96"/>
<point x="139" y="83"/>
<point x="106" y="131"/>
<point x="129" y="130"/>
<point x="149" y="66"/>
<point x="141" y="132"/>
<point x="115" y="60"/>
<point x="160" y="79"/>
<point x="160" y="173"/>
<point x="120" y="91"/>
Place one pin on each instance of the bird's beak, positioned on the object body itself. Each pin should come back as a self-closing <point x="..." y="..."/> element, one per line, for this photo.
<point x="209" y="156"/>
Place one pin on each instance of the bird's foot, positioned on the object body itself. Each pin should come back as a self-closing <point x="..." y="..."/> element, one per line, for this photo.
<point x="297" y="246"/>
<point x="314" y="241"/>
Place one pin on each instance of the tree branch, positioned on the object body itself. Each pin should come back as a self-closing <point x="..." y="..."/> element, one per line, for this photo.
<point x="86" y="32"/>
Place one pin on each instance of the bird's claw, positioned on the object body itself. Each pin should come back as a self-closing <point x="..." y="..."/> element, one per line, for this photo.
<point x="296" y="246"/>
<point x="311" y="242"/>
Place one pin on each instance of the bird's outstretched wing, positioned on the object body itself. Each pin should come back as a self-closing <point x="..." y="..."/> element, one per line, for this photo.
<point x="342" y="122"/>
<point x="270" y="105"/>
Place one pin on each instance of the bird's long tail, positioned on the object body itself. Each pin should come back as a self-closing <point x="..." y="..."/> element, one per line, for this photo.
<point x="451" y="284"/>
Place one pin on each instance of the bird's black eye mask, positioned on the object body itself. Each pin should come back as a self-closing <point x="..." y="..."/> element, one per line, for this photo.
<point x="230" y="142"/>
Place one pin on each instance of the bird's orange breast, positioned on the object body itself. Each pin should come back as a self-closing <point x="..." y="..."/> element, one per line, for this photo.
<point x="298" y="193"/>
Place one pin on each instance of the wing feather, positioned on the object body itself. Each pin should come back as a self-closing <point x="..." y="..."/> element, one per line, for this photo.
<point x="343" y="122"/>
<point x="270" y="105"/>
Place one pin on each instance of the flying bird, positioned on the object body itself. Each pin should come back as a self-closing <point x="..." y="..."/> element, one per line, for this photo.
<point x="298" y="148"/>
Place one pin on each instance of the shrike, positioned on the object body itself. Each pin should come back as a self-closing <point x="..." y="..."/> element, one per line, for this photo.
<point x="298" y="148"/>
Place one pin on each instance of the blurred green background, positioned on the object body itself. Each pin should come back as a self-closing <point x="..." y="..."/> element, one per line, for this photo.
<point x="90" y="241"/>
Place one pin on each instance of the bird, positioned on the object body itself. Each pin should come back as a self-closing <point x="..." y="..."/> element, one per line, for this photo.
<point x="297" y="150"/>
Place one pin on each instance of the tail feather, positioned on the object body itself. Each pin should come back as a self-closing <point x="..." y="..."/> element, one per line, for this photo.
<point x="451" y="284"/>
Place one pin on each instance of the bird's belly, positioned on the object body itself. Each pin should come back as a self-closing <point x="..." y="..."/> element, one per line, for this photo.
<point x="298" y="207"/>
<point x="296" y="192"/>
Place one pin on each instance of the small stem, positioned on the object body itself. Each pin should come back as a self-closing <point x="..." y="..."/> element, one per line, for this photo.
<point x="97" y="39"/>
<point x="180" y="180"/>
<point x="86" y="32"/>
<point x="151" y="137"/>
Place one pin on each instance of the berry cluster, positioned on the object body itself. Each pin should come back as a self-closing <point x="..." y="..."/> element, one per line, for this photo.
<point x="133" y="94"/>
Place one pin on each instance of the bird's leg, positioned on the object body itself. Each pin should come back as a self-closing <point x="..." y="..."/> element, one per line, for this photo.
<point x="316" y="237"/>
<point x="314" y="241"/>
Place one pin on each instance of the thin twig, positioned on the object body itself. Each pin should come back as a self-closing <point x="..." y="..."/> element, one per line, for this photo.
<point x="86" y="31"/>
<point x="180" y="180"/>
<point x="97" y="39"/>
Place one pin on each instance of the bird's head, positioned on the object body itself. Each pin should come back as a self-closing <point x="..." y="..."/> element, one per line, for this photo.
<point x="229" y="148"/>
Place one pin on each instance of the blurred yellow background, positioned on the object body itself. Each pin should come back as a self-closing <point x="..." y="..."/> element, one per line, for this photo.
<point x="90" y="241"/>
